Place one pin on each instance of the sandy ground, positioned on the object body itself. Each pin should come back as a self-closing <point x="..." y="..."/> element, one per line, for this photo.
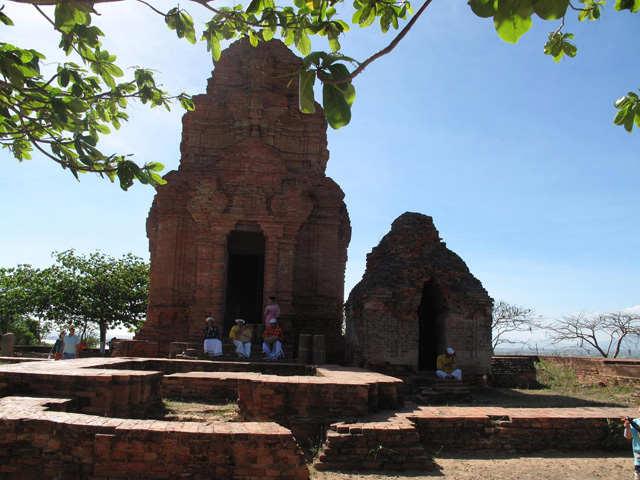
<point x="551" y="465"/>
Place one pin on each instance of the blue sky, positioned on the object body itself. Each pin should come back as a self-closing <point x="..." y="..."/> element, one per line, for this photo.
<point x="515" y="157"/>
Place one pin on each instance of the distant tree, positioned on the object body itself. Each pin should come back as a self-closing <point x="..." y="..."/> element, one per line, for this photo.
<point x="22" y="296"/>
<point x="507" y="318"/>
<point x="99" y="291"/>
<point x="606" y="332"/>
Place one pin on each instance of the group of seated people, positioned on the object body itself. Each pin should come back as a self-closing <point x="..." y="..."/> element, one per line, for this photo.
<point x="241" y="335"/>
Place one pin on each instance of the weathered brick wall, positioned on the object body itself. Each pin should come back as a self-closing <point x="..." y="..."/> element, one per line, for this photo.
<point x="36" y="443"/>
<point x="415" y="299"/>
<point x="96" y="392"/>
<point x="514" y="371"/>
<point x="519" y="434"/>
<point x="373" y="446"/>
<point x="599" y="370"/>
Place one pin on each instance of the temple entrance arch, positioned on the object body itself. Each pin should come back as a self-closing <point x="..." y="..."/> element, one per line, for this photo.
<point x="432" y="315"/>
<point x="245" y="276"/>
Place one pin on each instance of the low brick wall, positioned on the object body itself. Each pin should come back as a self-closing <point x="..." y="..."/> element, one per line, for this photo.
<point x="525" y="429"/>
<point x="515" y="371"/>
<point x="599" y="370"/>
<point x="37" y="443"/>
<point x="123" y="394"/>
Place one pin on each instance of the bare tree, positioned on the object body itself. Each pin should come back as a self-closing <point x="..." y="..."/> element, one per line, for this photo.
<point x="606" y="332"/>
<point x="507" y="318"/>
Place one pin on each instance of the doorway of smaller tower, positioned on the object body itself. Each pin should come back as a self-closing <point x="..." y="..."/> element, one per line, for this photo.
<point x="245" y="277"/>
<point x="432" y="315"/>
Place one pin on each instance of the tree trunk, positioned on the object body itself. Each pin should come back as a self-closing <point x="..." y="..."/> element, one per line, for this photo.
<point x="103" y="336"/>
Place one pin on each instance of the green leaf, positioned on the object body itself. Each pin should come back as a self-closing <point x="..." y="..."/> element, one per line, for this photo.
<point x="255" y="7"/>
<point x="307" y="79"/>
<point x="483" y="8"/>
<point x="513" y="19"/>
<point x="5" y="20"/>
<point x="253" y="39"/>
<point x="336" y="108"/>
<point x="302" y="41"/>
<point x="268" y="33"/>
<point x="631" y="5"/>
<point x="368" y="16"/>
<point x="550" y="9"/>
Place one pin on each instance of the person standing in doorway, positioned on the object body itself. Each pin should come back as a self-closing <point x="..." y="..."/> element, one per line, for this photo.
<point x="70" y="345"/>
<point x="271" y="312"/>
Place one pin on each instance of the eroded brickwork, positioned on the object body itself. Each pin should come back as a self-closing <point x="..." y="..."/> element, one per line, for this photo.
<point x="36" y="442"/>
<point x="251" y="189"/>
<point x="416" y="298"/>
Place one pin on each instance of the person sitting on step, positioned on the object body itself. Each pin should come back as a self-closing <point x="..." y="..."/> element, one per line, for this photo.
<point x="212" y="343"/>
<point x="446" y="365"/>
<point x="272" y="341"/>
<point x="241" y="335"/>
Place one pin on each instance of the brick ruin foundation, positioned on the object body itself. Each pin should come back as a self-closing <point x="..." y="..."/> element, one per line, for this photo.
<point x="250" y="212"/>
<point x="59" y="420"/>
<point x="417" y="298"/>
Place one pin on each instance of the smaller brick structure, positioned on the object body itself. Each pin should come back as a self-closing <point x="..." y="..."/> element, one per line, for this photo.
<point x="415" y="299"/>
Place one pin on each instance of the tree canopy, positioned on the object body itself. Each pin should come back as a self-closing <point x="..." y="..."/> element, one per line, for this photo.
<point x="90" y="291"/>
<point x="63" y="114"/>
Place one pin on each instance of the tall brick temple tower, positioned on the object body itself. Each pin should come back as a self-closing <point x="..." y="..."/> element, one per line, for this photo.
<point x="250" y="212"/>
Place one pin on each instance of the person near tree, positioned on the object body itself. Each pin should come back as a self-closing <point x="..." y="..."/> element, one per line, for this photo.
<point x="70" y="345"/>
<point x="56" y="349"/>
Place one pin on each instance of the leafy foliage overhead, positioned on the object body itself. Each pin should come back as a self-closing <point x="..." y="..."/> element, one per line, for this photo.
<point x="63" y="115"/>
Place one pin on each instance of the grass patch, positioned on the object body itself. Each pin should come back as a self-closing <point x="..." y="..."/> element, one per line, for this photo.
<point x="199" y="411"/>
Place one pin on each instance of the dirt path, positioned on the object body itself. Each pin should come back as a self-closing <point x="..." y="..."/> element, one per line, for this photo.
<point x="548" y="465"/>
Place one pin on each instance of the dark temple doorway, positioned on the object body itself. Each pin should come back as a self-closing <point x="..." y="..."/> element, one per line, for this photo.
<point x="432" y="313"/>
<point x="245" y="277"/>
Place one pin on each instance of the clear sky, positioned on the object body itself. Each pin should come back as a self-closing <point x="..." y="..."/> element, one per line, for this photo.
<point x="515" y="157"/>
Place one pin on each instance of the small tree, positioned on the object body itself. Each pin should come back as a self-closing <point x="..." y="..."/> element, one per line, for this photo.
<point x="606" y="332"/>
<point x="99" y="291"/>
<point x="507" y="318"/>
<point x="22" y="296"/>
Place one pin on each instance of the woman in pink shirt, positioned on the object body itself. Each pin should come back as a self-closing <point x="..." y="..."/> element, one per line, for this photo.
<point x="272" y="311"/>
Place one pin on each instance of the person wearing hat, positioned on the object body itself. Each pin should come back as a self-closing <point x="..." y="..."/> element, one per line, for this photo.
<point x="241" y="335"/>
<point x="632" y="432"/>
<point x="446" y="365"/>
<point x="212" y="343"/>
<point x="272" y="341"/>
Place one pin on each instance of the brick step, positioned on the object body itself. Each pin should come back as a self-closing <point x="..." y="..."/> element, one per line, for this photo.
<point x="443" y="391"/>
<point x="373" y="446"/>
